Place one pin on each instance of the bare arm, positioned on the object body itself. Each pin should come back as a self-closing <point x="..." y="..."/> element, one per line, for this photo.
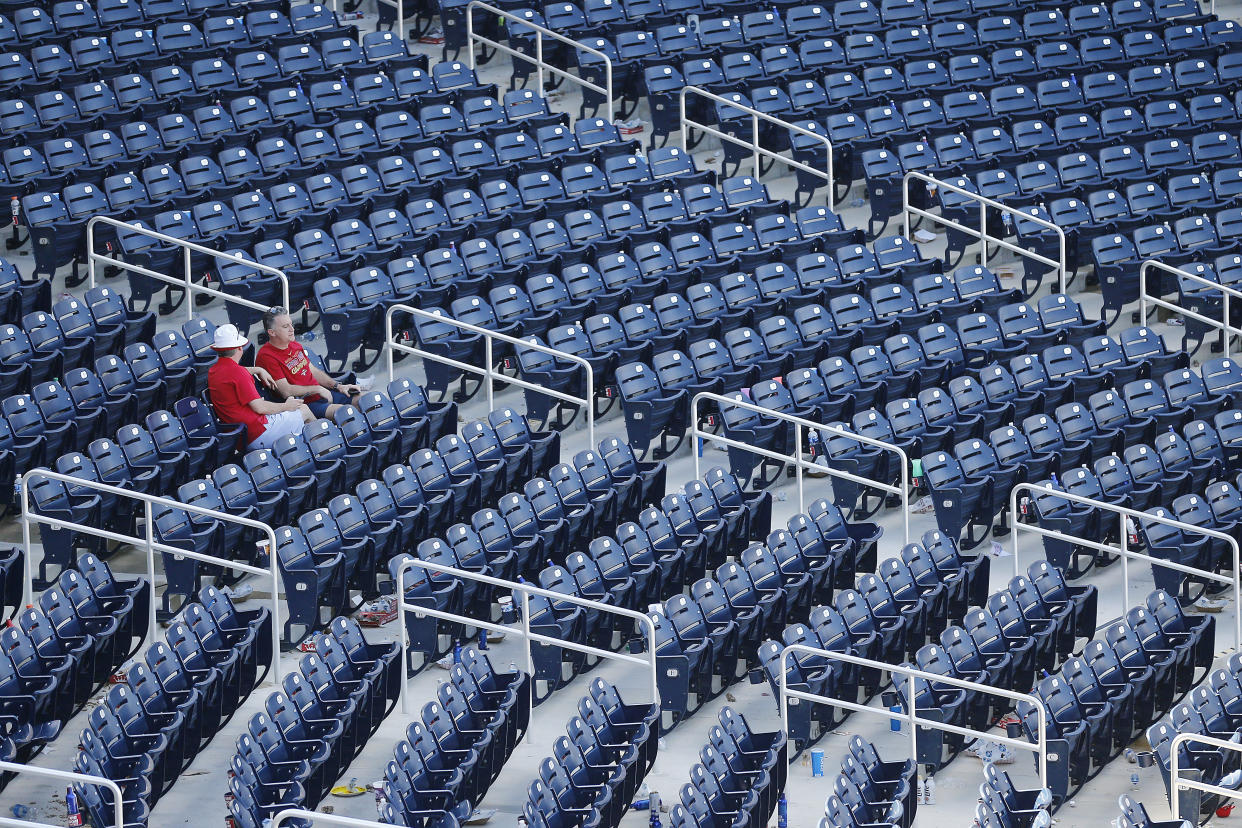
<point x="262" y="406"/>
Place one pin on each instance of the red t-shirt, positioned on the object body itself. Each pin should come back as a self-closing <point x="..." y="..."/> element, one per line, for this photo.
<point x="291" y="364"/>
<point x="232" y="388"/>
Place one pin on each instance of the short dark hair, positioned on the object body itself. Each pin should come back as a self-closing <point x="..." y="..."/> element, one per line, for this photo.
<point x="269" y="317"/>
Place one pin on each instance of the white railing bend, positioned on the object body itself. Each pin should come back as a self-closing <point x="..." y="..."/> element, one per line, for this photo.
<point x="1177" y="784"/>
<point x="797" y="459"/>
<point x="1123" y="549"/>
<point x="187" y="281"/>
<point x="1225" y="291"/>
<point x="757" y="152"/>
<point x="488" y="372"/>
<point x="540" y="64"/>
<point x="911" y="717"/>
<point x="118" y="806"/>
<point x="149" y="543"/>
<point x="524" y="590"/>
<point x="908" y="209"/>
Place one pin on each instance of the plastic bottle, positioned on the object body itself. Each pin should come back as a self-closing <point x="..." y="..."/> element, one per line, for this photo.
<point x="782" y="812"/>
<point x="1134" y="780"/>
<point x="457" y="652"/>
<point x="929" y="791"/>
<point x="73" y="816"/>
<point x="482" y="639"/>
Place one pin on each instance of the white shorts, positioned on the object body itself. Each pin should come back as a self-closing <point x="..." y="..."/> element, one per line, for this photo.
<point x="278" y="425"/>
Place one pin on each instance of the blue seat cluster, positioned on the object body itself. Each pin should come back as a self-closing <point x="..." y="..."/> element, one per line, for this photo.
<point x="1168" y="478"/>
<point x="885" y="617"/>
<point x="1027" y="629"/>
<point x="453" y="754"/>
<point x="593" y="775"/>
<point x="58" y="653"/>
<point x="1101" y="700"/>
<point x="871" y="791"/>
<point x="1134" y="815"/>
<point x="710" y="638"/>
<point x="316" y="724"/>
<point x="793" y="329"/>
<point x="171" y="703"/>
<point x="1004" y="805"/>
<point x="598" y="492"/>
<point x="1210" y="711"/>
<point x="738" y="780"/>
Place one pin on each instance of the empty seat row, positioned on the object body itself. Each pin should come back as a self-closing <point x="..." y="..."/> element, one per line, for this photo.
<point x="1210" y="712"/>
<point x="1028" y="629"/>
<point x="710" y="638"/>
<point x="871" y="790"/>
<point x="598" y="770"/>
<point x="1099" y="702"/>
<point x="171" y="703"/>
<point x="57" y="22"/>
<point x="451" y="755"/>
<point x="49" y="343"/>
<point x="1003" y="805"/>
<point x="738" y="780"/>
<point x="311" y="729"/>
<point x="970" y="482"/>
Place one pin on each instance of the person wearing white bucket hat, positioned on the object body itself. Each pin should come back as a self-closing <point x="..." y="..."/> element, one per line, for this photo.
<point x="236" y="400"/>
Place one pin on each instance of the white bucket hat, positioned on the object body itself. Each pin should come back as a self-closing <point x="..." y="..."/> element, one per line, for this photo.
<point x="227" y="338"/>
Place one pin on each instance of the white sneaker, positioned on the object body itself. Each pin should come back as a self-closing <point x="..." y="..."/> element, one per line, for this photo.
<point x="445" y="663"/>
<point x="924" y="236"/>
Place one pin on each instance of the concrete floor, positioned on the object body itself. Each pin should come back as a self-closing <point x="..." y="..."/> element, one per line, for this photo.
<point x="197" y="799"/>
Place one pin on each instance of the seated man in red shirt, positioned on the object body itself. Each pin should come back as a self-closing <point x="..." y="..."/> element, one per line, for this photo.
<point x="236" y="400"/>
<point x="292" y="372"/>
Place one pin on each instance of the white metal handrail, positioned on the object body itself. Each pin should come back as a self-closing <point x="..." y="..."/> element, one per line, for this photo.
<point x="1225" y="291"/>
<point x="188" y="247"/>
<point x="911" y="717"/>
<point x="908" y="209"/>
<point x="488" y="372"/>
<point x="1124" y="549"/>
<point x="525" y="590"/>
<point x="334" y="819"/>
<point x="541" y="65"/>
<point x="118" y="806"/>
<point x="797" y="459"/>
<point x="1177" y="784"/>
<point x="149" y="543"/>
<point x="757" y="151"/>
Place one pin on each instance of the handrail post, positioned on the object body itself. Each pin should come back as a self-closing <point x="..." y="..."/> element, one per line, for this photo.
<point x="757" y="151"/>
<point x="148" y="541"/>
<point x="189" y="280"/>
<point x="910" y="715"/>
<point x="487" y="372"/>
<point x="754" y="131"/>
<point x="908" y="209"/>
<point x="149" y="536"/>
<point x="1177" y="784"/>
<point x="1123" y="547"/>
<point x="27" y="562"/>
<point x="797" y="458"/>
<point x="797" y="427"/>
<point x="983" y="233"/>
<point x="118" y="805"/>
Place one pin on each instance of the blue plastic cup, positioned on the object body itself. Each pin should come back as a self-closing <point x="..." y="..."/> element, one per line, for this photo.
<point x="817" y="762"/>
